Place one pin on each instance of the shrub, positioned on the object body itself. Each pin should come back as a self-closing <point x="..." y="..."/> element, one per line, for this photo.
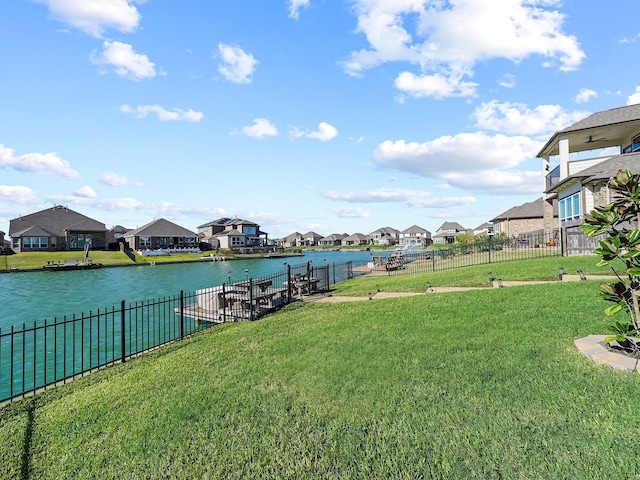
<point x="618" y="221"/>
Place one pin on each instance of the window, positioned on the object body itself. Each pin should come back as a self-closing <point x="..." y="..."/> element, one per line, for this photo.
<point x="79" y="240"/>
<point x="145" y="241"/>
<point x="35" y="242"/>
<point x="570" y="207"/>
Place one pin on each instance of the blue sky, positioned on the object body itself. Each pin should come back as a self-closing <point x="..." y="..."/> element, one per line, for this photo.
<point x="337" y="116"/>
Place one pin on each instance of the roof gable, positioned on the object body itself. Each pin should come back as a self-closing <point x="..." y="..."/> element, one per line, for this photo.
<point x="55" y="221"/>
<point x="602" y="171"/>
<point x="451" y="226"/>
<point x="160" y="228"/>
<point x="415" y="229"/>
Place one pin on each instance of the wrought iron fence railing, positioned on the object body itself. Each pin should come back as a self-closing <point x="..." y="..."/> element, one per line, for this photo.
<point x="34" y="357"/>
<point x="39" y="355"/>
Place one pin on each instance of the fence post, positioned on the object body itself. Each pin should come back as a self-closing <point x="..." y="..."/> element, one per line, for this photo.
<point x="251" y="299"/>
<point x="181" y="314"/>
<point x="288" y="283"/>
<point x="123" y="343"/>
<point x="224" y="304"/>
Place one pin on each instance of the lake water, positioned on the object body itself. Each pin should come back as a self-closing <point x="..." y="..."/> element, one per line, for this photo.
<point x="35" y="296"/>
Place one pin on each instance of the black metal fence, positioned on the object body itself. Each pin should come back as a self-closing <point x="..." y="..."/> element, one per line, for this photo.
<point x="34" y="357"/>
<point x="481" y="250"/>
<point x="44" y="354"/>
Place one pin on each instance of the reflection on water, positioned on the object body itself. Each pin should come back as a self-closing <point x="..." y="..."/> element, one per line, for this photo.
<point x="29" y="297"/>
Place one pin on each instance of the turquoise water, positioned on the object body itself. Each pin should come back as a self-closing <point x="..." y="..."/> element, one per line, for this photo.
<point x="95" y="334"/>
<point x="35" y="296"/>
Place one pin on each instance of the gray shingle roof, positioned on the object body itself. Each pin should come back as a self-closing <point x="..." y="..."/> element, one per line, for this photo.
<point x="54" y="222"/>
<point x="451" y="226"/>
<point x="334" y="236"/>
<point x="415" y="229"/>
<point x="355" y="236"/>
<point x="533" y="209"/>
<point x="160" y="228"/>
<point x="604" y="170"/>
<point x="606" y="117"/>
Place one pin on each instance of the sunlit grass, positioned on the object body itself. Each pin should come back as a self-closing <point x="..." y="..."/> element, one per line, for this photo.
<point x="542" y="269"/>
<point x="36" y="260"/>
<point x="476" y="384"/>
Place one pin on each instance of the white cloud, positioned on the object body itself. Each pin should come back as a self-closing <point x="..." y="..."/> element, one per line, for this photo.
<point x="473" y="162"/>
<point x="453" y="36"/>
<point x="150" y="209"/>
<point x="85" y="192"/>
<point x="498" y="182"/>
<point x="126" y="62"/>
<point x="117" y="180"/>
<point x="295" y="6"/>
<point x="350" y="212"/>
<point x="410" y="198"/>
<point x="517" y="118"/>
<point x="141" y="111"/>
<point x="324" y="133"/>
<point x="634" y="98"/>
<point x="586" y="94"/>
<point x="236" y="65"/>
<point x="261" y="128"/>
<point x="95" y="16"/>
<point x="38" y="163"/>
<point x="438" y="85"/>
<point x="507" y="81"/>
<point x="18" y="194"/>
<point x="469" y="152"/>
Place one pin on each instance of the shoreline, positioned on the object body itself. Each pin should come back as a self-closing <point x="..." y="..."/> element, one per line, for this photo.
<point x="155" y="264"/>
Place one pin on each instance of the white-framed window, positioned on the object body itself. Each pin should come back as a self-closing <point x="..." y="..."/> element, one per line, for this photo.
<point x="570" y="207"/>
<point x="35" y="242"/>
<point x="79" y="240"/>
<point x="145" y="241"/>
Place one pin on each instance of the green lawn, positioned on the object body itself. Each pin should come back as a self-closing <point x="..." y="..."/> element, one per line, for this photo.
<point x="35" y="260"/>
<point x="475" y="276"/>
<point x="476" y="384"/>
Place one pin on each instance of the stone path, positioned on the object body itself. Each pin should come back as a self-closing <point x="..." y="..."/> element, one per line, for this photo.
<point x="594" y="347"/>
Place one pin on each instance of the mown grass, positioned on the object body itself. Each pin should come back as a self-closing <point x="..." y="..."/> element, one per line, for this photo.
<point x="477" y="384"/>
<point x="36" y="260"/>
<point x="544" y="269"/>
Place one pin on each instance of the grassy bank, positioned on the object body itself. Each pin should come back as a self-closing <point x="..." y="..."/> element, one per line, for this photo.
<point x="544" y="269"/>
<point x="36" y="260"/>
<point x="477" y="384"/>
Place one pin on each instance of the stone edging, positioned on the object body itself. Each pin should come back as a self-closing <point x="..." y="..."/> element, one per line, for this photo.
<point x="595" y="347"/>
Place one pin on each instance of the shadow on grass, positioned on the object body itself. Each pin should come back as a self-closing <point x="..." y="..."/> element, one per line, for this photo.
<point x="25" y="464"/>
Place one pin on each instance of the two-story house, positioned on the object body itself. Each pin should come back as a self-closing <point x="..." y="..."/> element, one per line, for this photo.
<point x="384" y="236"/>
<point x="232" y="232"/>
<point x="415" y="236"/>
<point x="448" y="232"/>
<point x="311" y="239"/>
<point x="588" y="154"/>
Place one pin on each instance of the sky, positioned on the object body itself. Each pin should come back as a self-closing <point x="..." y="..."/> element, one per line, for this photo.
<point x="332" y="116"/>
